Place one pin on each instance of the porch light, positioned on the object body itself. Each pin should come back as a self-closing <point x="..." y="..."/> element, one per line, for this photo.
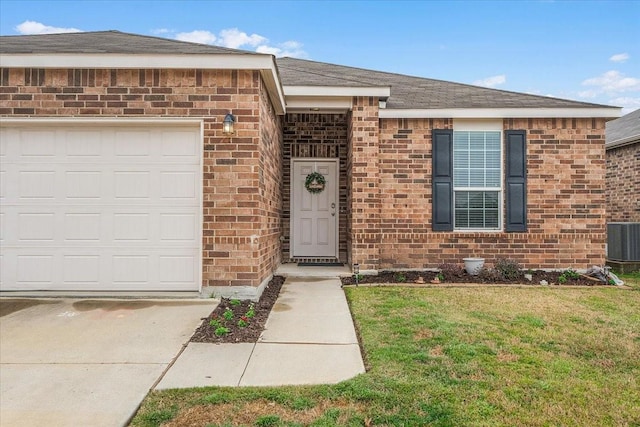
<point x="227" y="124"/>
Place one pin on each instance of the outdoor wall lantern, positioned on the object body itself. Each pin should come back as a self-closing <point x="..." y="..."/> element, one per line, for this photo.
<point x="227" y="124"/>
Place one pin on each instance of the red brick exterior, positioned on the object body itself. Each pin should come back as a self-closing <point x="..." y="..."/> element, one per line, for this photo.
<point x="566" y="215"/>
<point x="385" y="172"/>
<point x="623" y="183"/>
<point x="241" y="192"/>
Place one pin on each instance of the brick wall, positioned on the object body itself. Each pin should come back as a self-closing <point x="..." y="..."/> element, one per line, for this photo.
<point x="364" y="192"/>
<point x="271" y="188"/>
<point x="234" y="194"/>
<point x="566" y="205"/>
<point x="312" y="135"/>
<point x="623" y="183"/>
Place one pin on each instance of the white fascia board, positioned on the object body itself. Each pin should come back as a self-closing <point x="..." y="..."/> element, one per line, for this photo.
<point x="129" y="121"/>
<point x="217" y="61"/>
<point x="500" y="113"/>
<point x="326" y="91"/>
<point x="114" y="61"/>
<point x="305" y="102"/>
<point x="633" y="139"/>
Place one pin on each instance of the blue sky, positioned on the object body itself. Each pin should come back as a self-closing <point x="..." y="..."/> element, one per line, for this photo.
<point x="582" y="50"/>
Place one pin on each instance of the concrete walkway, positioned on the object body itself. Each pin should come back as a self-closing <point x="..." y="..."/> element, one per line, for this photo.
<point x="309" y="338"/>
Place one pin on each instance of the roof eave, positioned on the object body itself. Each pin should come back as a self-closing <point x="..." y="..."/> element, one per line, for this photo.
<point x="623" y="141"/>
<point x="498" y="113"/>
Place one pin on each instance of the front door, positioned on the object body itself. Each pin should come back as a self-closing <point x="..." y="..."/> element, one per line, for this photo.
<point x="314" y="216"/>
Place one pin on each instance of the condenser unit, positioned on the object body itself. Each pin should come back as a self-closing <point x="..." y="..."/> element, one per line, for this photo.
<point x="623" y="241"/>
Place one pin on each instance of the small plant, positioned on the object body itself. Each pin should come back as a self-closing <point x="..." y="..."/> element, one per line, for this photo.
<point x="358" y="277"/>
<point x="400" y="277"/>
<point x="234" y="302"/>
<point x="243" y="321"/>
<point x="570" y="273"/>
<point x="562" y="279"/>
<point x="508" y="269"/>
<point x="251" y="312"/>
<point x="490" y="275"/>
<point x="440" y="277"/>
<point x="215" y="323"/>
<point x="228" y="314"/>
<point x="450" y="271"/>
<point x="221" y="330"/>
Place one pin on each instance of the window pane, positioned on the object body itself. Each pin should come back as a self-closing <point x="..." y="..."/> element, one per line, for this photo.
<point x="476" y="209"/>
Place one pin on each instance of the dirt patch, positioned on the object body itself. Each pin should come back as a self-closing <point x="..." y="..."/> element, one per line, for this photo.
<point x="262" y="412"/>
<point x="241" y="326"/>
<point x="413" y="277"/>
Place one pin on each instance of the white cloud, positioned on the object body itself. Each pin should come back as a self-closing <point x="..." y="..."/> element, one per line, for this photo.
<point x="628" y="104"/>
<point x="235" y="38"/>
<point x="289" y="48"/>
<point x="197" y="36"/>
<point x="619" y="57"/>
<point x="161" y="31"/>
<point x="33" y="27"/>
<point x="492" y="81"/>
<point x="612" y="82"/>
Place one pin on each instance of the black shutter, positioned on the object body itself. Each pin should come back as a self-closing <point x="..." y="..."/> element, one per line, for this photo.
<point x="516" y="181"/>
<point x="442" y="208"/>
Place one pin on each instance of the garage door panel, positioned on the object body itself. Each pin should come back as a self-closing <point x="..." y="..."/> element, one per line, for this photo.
<point x="109" y="210"/>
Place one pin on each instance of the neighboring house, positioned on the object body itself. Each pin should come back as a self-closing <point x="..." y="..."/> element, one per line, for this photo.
<point x="623" y="168"/>
<point x="116" y="174"/>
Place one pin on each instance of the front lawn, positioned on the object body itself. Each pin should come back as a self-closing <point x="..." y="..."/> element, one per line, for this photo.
<point x="453" y="357"/>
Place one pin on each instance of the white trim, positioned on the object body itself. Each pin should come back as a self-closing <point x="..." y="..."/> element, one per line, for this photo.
<point x="483" y="125"/>
<point x="306" y="102"/>
<point x="219" y="61"/>
<point x="129" y="121"/>
<point x="324" y="91"/>
<point x="500" y="113"/>
<point x="623" y="141"/>
<point x="291" y="208"/>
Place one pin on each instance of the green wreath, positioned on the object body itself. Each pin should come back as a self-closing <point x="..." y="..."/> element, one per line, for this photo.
<point x="315" y="183"/>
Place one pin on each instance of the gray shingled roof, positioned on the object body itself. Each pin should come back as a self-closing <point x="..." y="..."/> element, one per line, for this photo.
<point x="408" y="92"/>
<point x="106" y="42"/>
<point x="623" y="130"/>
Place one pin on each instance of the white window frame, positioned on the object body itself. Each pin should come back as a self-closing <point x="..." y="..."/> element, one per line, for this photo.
<point x="481" y="126"/>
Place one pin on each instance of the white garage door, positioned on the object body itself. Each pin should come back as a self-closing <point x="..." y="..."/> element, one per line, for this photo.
<point x="100" y="207"/>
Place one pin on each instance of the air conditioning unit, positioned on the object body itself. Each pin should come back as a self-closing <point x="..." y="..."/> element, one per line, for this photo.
<point x="623" y="241"/>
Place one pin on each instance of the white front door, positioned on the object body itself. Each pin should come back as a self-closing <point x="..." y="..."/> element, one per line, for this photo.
<point x="314" y="217"/>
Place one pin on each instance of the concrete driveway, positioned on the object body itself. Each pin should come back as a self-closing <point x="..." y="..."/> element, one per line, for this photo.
<point x="85" y="362"/>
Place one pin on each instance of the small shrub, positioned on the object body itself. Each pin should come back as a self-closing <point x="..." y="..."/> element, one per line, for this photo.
<point x="570" y="273"/>
<point x="508" y="269"/>
<point x="228" y="314"/>
<point x="490" y="275"/>
<point x="400" y="277"/>
<point x="221" y="330"/>
<point x="243" y="321"/>
<point x="234" y="302"/>
<point x="252" y="311"/>
<point x="215" y="323"/>
<point x="562" y="279"/>
<point x="451" y="271"/>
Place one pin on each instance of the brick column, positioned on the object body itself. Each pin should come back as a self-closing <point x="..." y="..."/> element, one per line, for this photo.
<point x="364" y="183"/>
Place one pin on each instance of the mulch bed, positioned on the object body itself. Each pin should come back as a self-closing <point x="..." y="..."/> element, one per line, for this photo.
<point x="251" y="332"/>
<point x="410" y="277"/>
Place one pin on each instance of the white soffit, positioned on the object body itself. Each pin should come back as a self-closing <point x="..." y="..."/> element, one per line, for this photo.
<point x="337" y="91"/>
<point x="325" y="103"/>
<point x="262" y="62"/>
<point x="499" y="113"/>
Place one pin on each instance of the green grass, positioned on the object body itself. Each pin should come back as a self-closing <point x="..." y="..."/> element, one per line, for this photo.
<point x="456" y="357"/>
